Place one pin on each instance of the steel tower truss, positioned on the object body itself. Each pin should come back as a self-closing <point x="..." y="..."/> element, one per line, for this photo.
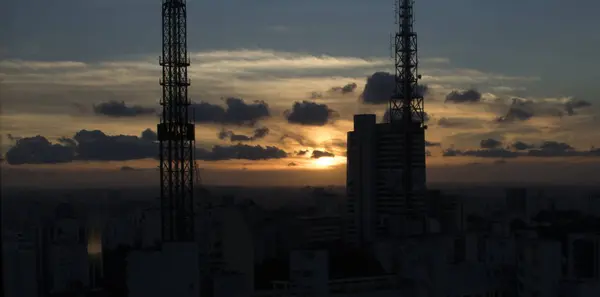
<point x="406" y="108"/>
<point x="176" y="133"/>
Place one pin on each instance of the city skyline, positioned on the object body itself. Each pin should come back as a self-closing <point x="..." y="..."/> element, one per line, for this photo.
<point x="303" y="160"/>
<point x="297" y="100"/>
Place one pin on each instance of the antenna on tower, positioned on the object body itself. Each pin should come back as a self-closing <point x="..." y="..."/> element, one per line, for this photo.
<point x="407" y="101"/>
<point x="406" y="110"/>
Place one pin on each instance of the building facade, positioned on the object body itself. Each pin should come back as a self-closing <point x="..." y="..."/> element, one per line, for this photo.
<point x="377" y="206"/>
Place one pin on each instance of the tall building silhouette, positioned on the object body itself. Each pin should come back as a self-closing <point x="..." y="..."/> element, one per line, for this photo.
<point x="377" y="206"/>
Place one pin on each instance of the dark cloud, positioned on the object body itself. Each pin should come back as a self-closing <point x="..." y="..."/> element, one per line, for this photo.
<point x="490" y="143"/>
<point x="482" y="153"/>
<point x="349" y="88"/>
<point x="519" y="110"/>
<point x="468" y="96"/>
<point x="316" y="154"/>
<point x="555" y="146"/>
<point x="515" y="114"/>
<point x="386" y="117"/>
<point x="316" y="95"/>
<point x="120" y="109"/>
<point x="381" y="86"/>
<point x="546" y="149"/>
<point x="310" y="114"/>
<point x="68" y="141"/>
<point x="204" y="112"/>
<point x="224" y="134"/>
<point x="149" y="135"/>
<point x="128" y="168"/>
<point x="342" y="90"/>
<point x="521" y="146"/>
<point x="428" y="144"/>
<point x="296" y="138"/>
<point x="240" y="152"/>
<point x="259" y="133"/>
<point x="38" y="150"/>
<point x="301" y="153"/>
<point x="237" y="112"/>
<point x="522" y="110"/>
<point x="84" y="145"/>
<point x="472" y="139"/>
<point x="96" y="146"/>
<point x="459" y="123"/>
<point x="573" y="104"/>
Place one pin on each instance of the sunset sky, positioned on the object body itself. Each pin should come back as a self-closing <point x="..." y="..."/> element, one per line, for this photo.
<point x="512" y="92"/>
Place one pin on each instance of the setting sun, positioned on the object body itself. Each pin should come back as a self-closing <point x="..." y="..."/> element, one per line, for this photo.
<point x="325" y="162"/>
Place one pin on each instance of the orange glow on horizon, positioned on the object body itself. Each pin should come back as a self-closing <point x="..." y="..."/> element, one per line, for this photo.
<point x="327" y="162"/>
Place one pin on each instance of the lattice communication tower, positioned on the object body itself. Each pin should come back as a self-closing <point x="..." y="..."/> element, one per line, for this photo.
<point x="176" y="130"/>
<point x="406" y="108"/>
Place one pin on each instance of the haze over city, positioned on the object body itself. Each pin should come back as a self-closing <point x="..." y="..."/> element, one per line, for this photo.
<point x="276" y="83"/>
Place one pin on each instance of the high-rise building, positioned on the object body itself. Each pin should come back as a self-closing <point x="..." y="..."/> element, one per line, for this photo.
<point x="20" y="264"/>
<point x="377" y="205"/>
